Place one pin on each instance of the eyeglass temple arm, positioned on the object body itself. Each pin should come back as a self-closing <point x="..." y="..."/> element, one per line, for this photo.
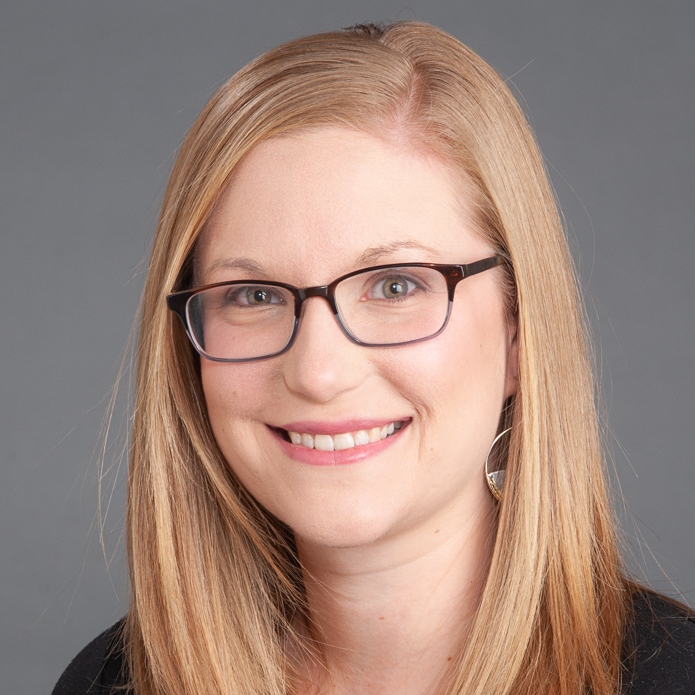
<point x="177" y="303"/>
<point x="481" y="266"/>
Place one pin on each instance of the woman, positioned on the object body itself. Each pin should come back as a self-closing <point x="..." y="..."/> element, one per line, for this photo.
<point x="406" y="496"/>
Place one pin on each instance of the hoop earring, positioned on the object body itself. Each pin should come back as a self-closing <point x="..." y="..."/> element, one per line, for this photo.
<point x="495" y="479"/>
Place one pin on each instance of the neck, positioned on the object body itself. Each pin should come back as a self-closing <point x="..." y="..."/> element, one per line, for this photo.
<point x="391" y="617"/>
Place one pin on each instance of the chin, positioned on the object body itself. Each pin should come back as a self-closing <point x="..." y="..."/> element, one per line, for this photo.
<point x="339" y="530"/>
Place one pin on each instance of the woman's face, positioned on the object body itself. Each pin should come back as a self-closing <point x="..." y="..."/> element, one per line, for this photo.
<point x="305" y="210"/>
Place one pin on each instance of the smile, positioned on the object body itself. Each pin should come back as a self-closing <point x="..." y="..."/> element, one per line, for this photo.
<point x="336" y="443"/>
<point x="344" y="440"/>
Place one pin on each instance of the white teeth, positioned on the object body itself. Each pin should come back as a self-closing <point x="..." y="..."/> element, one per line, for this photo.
<point x="361" y="437"/>
<point x="324" y="442"/>
<point x="343" y="441"/>
<point x="346" y="440"/>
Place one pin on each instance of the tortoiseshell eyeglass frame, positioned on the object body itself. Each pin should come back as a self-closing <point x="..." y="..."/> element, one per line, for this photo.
<point x="453" y="274"/>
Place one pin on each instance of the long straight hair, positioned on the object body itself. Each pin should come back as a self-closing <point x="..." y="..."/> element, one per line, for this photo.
<point x="216" y="579"/>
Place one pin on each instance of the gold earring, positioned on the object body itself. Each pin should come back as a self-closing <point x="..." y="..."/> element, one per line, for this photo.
<point x="495" y="479"/>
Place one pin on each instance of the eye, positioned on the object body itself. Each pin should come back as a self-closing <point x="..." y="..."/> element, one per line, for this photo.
<point x="257" y="295"/>
<point x="253" y="296"/>
<point x="393" y="287"/>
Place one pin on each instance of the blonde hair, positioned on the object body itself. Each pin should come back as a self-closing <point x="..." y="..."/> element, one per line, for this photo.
<point x="215" y="579"/>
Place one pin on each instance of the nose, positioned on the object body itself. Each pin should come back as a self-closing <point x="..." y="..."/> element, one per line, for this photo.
<point x="323" y="363"/>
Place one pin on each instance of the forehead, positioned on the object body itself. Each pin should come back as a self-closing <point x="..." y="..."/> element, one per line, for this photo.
<point x="315" y="205"/>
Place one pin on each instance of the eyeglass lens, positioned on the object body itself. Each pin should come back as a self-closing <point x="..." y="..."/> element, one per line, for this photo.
<point x="377" y="307"/>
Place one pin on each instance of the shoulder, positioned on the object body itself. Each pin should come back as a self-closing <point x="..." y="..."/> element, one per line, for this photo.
<point x="97" y="668"/>
<point x="659" y="649"/>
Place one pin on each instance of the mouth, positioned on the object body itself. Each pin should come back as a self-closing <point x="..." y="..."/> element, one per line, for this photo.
<point x="341" y="441"/>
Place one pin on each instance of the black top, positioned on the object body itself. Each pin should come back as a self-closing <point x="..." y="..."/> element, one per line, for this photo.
<point x="658" y="655"/>
<point x="659" y="648"/>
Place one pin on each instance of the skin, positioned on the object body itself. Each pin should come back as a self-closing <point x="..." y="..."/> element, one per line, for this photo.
<point x="395" y="547"/>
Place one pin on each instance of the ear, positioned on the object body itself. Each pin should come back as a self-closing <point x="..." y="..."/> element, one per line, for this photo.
<point x="511" y="383"/>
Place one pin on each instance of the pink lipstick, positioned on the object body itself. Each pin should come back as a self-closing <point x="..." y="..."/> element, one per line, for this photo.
<point x="323" y="443"/>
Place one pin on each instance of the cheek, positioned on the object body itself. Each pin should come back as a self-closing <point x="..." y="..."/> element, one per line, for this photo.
<point x="237" y="397"/>
<point x="234" y="394"/>
<point x="456" y="382"/>
<point x="469" y="356"/>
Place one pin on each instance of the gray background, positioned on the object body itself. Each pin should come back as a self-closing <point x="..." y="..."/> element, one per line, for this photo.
<point x="95" y="97"/>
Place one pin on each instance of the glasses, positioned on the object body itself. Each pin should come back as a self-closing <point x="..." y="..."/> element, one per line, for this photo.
<point x="386" y="305"/>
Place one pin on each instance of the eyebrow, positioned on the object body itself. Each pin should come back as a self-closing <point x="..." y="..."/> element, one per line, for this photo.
<point x="368" y="257"/>
<point x="374" y="253"/>
<point x="234" y="264"/>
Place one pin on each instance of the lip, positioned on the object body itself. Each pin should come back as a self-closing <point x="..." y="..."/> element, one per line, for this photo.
<point x="315" y="457"/>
